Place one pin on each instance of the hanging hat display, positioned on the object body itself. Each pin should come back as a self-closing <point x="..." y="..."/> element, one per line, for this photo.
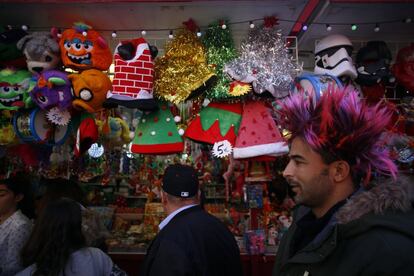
<point x="90" y="88"/>
<point x="134" y="73"/>
<point x="216" y="122"/>
<point x="14" y="87"/>
<point x="182" y="73"/>
<point x="156" y="133"/>
<point x="83" y="48"/>
<point x="258" y="134"/>
<point x="86" y="134"/>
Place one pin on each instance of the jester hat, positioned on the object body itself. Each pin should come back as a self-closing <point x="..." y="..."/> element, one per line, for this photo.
<point x="341" y="127"/>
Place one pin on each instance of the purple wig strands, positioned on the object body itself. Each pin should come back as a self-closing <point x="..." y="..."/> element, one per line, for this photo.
<point x="343" y="126"/>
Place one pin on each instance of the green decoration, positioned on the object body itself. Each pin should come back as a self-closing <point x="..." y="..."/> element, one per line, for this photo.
<point x="220" y="50"/>
<point x="156" y="133"/>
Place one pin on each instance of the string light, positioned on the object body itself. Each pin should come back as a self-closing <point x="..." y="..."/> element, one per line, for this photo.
<point x="114" y="34"/>
<point x="354" y="26"/>
<point x="328" y="27"/>
<point x="377" y="28"/>
<point x="170" y="36"/>
<point x="25" y="27"/>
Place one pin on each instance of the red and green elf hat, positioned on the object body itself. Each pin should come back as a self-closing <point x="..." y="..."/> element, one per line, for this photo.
<point x="216" y="122"/>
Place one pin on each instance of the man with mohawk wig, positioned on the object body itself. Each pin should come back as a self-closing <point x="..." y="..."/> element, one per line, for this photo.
<point x="346" y="222"/>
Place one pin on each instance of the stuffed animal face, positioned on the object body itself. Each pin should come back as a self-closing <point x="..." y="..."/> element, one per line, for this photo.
<point x="83" y="48"/>
<point x="89" y="89"/>
<point x="53" y="88"/>
<point x="14" y="86"/>
<point x="41" y="50"/>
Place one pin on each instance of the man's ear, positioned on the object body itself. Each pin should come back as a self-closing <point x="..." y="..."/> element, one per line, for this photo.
<point x="164" y="198"/>
<point x="340" y="170"/>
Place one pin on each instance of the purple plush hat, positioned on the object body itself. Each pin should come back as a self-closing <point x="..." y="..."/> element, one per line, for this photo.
<point x="52" y="89"/>
<point x="341" y="127"/>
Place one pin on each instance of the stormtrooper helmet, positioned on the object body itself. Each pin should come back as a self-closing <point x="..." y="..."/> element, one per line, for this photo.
<point x="333" y="57"/>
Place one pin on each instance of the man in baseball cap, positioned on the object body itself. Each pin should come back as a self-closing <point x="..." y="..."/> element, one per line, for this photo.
<point x="190" y="241"/>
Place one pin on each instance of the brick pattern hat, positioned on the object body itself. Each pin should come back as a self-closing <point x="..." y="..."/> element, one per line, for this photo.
<point x="180" y="181"/>
<point x="134" y="73"/>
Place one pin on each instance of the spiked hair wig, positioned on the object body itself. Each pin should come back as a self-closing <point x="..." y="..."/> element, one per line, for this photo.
<point x="341" y="127"/>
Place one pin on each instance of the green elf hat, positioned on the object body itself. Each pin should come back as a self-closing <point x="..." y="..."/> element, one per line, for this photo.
<point x="216" y="122"/>
<point x="156" y="133"/>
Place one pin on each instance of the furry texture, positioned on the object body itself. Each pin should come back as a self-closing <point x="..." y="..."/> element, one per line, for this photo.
<point x="341" y="127"/>
<point x="385" y="196"/>
<point x="41" y="50"/>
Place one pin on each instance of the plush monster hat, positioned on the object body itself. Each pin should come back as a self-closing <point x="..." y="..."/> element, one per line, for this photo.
<point x="84" y="48"/>
<point x="89" y="90"/>
<point x="341" y="127"/>
<point x="14" y="86"/>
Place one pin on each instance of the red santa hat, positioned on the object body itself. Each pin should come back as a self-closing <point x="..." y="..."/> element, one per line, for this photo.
<point x="258" y="133"/>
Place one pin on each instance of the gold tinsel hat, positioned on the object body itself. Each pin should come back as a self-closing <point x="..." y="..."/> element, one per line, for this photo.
<point x="182" y="73"/>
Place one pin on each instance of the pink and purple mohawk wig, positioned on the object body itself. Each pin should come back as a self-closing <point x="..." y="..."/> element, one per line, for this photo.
<point x="341" y="127"/>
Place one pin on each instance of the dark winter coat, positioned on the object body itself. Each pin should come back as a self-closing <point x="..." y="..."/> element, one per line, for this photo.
<point x="193" y="243"/>
<point x="372" y="234"/>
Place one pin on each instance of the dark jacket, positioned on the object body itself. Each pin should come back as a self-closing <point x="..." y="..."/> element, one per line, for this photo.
<point x="193" y="243"/>
<point x="372" y="234"/>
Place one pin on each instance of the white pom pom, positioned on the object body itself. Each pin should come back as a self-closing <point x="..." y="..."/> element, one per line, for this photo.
<point x="153" y="133"/>
<point x="131" y="135"/>
<point x="84" y="33"/>
<point x="143" y="32"/>
<point x="168" y="119"/>
<point x="177" y="119"/>
<point x="181" y="132"/>
<point x="25" y="28"/>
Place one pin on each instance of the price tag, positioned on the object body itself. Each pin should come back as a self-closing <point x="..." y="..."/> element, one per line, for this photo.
<point x="222" y="149"/>
<point x="58" y="117"/>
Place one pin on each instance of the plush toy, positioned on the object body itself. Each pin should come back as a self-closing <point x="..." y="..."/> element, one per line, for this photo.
<point x="134" y="73"/>
<point x="10" y="56"/>
<point x="53" y="88"/>
<point x="89" y="89"/>
<point x="84" y="48"/>
<point x="14" y="87"/>
<point x="41" y="50"/>
<point x="115" y="129"/>
<point x="7" y="134"/>
<point x="403" y="68"/>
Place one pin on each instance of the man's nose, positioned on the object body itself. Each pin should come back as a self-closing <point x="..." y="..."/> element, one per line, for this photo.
<point x="287" y="172"/>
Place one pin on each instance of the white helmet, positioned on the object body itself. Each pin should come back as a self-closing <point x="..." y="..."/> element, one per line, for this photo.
<point x="333" y="56"/>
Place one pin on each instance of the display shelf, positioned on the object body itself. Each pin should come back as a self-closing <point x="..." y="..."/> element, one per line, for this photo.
<point x="131" y="196"/>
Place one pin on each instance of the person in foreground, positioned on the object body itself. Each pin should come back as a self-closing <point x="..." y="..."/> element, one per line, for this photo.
<point x="345" y="223"/>
<point x="190" y="241"/>
<point x="57" y="245"/>
<point x="16" y="210"/>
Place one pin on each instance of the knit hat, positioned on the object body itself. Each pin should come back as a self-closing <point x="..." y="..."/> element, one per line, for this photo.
<point x="134" y="73"/>
<point x="258" y="133"/>
<point x="156" y="133"/>
<point x="86" y="134"/>
<point x="180" y="181"/>
<point x="216" y="122"/>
